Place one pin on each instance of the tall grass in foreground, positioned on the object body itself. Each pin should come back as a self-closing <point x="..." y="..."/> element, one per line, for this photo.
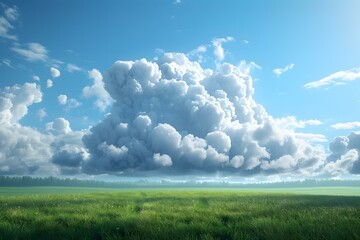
<point x="179" y="215"/>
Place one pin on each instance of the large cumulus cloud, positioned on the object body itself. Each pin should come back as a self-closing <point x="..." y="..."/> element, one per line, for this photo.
<point x="172" y="115"/>
<point x="169" y="116"/>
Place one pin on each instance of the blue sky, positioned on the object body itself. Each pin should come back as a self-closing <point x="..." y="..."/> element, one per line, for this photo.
<point x="304" y="57"/>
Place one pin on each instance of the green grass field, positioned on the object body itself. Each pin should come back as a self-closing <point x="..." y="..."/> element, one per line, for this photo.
<point x="89" y="213"/>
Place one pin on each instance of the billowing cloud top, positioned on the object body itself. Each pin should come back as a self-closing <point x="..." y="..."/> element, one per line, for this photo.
<point x="344" y="155"/>
<point x="175" y="116"/>
<point x="97" y="90"/>
<point x="14" y="102"/>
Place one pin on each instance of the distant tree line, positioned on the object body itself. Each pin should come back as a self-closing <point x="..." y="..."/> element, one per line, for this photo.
<point x="24" y="181"/>
<point x="7" y="181"/>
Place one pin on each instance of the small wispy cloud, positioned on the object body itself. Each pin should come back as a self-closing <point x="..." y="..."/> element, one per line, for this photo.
<point x="70" y="103"/>
<point x="248" y="67"/>
<point x="346" y="125"/>
<point x="337" y="78"/>
<point x="5" y="27"/>
<point x="311" y="137"/>
<point x="55" y="63"/>
<point x="7" y="62"/>
<point x="313" y="122"/>
<point x="197" y="53"/>
<point x="176" y="2"/>
<point x="32" y="52"/>
<point x="218" y="49"/>
<point x="292" y="123"/>
<point x="10" y="15"/>
<point x="49" y="83"/>
<point x="41" y="114"/>
<point x="73" y="68"/>
<point x="279" y="71"/>
<point x="199" y="49"/>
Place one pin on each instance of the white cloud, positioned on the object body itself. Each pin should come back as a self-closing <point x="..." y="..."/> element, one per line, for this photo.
<point x="162" y="160"/>
<point x="237" y="161"/>
<point x="337" y="78"/>
<point x="197" y="53"/>
<point x="12" y="13"/>
<point x="103" y="99"/>
<point x="200" y="119"/>
<point x="218" y="49"/>
<point x="113" y="151"/>
<point x="36" y="78"/>
<point x="311" y="137"/>
<point x="283" y="163"/>
<point x="49" y="83"/>
<point x="344" y="157"/>
<point x="313" y="122"/>
<point x="173" y="115"/>
<point x="346" y="125"/>
<point x="8" y="63"/>
<point x="59" y="125"/>
<point x="219" y="140"/>
<point x="41" y="114"/>
<point x="291" y="122"/>
<point x="62" y="99"/>
<point x="27" y="151"/>
<point x="199" y="49"/>
<point x="15" y="100"/>
<point x="55" y="73"/>
<point x="248" y="67"/>
<point x="73" y="68"/>
<point x="55" y="62"/>
<point x="23" y="150"/>
<point x="5" y="27"/>
<point x="70" y="103"/>
<point x="32" y="52"/>
<point x="279" y="71"/>
<point x="344" y="164"/>
<point x="177" y="2"/>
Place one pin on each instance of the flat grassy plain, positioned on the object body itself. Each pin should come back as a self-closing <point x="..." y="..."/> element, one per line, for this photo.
<point x="98" y="213"/>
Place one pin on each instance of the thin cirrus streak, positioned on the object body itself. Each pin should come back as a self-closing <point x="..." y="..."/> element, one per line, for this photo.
<point x="337" y="78"/>
<point x="346" y="125"/>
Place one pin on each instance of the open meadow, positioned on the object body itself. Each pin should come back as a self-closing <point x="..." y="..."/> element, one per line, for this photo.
<point x="96" y="213"/>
